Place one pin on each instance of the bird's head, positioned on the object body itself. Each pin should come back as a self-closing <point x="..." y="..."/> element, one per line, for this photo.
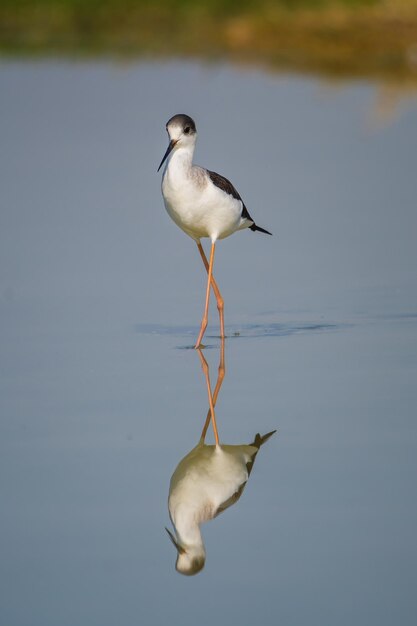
<point x="182" y="133"/>
<point x="190" y="559"/>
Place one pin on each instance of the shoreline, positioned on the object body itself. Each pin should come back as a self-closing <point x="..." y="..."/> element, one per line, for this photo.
<point x="375" y="42"/>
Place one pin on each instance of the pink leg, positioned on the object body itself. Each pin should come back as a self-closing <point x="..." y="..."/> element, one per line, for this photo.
<point x="219" y="299"/>
<point x="205" y="367"/>
<point x="205" y="316"/>
<point x="220" y="377"/>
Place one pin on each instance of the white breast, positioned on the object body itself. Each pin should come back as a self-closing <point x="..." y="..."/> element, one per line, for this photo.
<point x="195" y="204"/>
<point x="204" y="479"/>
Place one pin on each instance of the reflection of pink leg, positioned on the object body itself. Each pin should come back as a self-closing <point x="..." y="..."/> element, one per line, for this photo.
<point x="205" y="316"/>
<point x="205" y="367"/>
<point x="220" y="378"/>
<point x="219" y="299"/>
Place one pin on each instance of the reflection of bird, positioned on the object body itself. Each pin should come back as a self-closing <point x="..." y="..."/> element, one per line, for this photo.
<point x="202" y="203"/>
<point x="205" y="483"/>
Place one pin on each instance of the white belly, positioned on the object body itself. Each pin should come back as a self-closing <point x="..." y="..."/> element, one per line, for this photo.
<point x="207" y="477"/>
<point x="201" y="210"/>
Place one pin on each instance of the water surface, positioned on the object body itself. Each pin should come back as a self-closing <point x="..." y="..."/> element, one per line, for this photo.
<point x="100" y="293"/>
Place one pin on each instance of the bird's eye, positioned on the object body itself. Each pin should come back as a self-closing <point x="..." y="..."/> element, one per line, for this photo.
<point x="187" y="130"/>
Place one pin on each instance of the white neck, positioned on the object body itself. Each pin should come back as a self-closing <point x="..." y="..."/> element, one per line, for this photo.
<point x="188" y="530"/>
<point x="180" y="159"/>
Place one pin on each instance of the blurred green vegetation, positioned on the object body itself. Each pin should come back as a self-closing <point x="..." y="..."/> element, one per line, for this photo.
<point x="334" y="37"/>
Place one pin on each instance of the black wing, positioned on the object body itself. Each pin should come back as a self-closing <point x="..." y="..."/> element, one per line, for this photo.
<point x="234" y="498"/>
<point x="225" y="185"/>
<point x="256" y="443"/>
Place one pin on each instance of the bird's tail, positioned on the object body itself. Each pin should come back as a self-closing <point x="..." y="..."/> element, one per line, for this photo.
<point x="257" y="443"/>
<point x="260" y="440"/>
<point x="261" y="230"/>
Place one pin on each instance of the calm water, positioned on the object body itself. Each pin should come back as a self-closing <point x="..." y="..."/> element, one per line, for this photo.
<point x="101" y="294"/>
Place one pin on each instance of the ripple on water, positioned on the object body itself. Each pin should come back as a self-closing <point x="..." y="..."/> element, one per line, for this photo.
<point x="243" y="331"/>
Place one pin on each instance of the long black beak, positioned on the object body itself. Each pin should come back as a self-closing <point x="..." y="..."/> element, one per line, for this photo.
<point x="170" y="147"/>
<point x="175" y="542"/>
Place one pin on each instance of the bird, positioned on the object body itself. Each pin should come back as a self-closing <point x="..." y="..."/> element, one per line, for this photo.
<point x="206" y="482"/>
<point x="201" y="202"/>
